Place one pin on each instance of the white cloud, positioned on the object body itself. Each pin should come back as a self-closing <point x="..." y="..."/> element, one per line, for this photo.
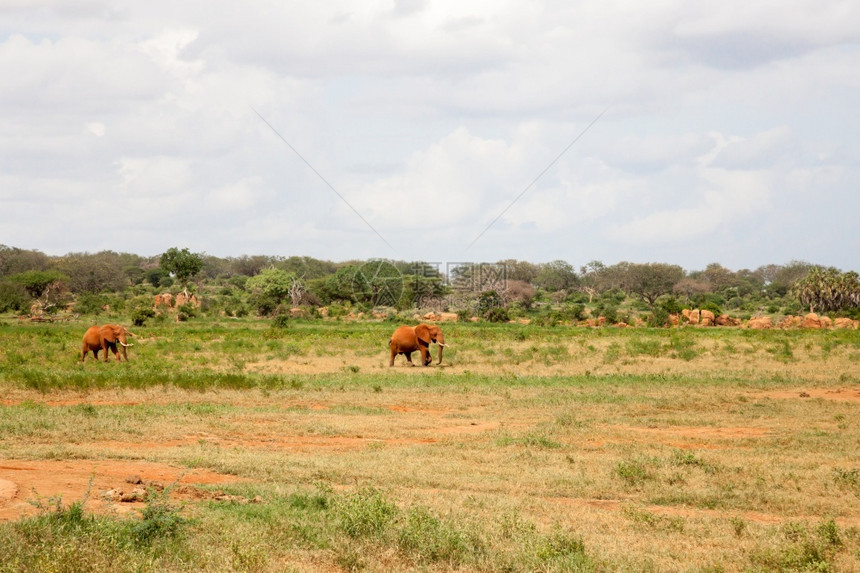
<point x="433" y="116"/>
<point x="727" y="200"/>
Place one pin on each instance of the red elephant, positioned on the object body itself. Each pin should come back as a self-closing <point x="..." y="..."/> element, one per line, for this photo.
<point x="105" y="338"/>
<point x="408" y="339"/>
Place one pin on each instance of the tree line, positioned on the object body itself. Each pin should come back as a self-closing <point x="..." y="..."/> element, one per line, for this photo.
<point x="271" y="285"/>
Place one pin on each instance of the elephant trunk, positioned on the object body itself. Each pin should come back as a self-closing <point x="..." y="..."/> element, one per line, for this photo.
<point x="441" y="346"/>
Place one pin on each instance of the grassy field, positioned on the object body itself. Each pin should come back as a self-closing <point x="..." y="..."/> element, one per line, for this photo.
<point x="529" y="449"/>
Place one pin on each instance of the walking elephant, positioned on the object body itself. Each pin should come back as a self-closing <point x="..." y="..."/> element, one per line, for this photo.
<point x="105" y="338"/>
<point x="408" y="339"/>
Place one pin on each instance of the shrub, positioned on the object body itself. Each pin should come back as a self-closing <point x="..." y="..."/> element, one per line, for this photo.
<point x="186" y="311"/>
<point x="366" y="513"/>
<point x="658" y="317"/>
<point x="13" y="297"/>
<point x="88" y="303"/>
<point x="281" y="321"/>
<point x="497" y="314"/>
<point x="141" y="315"/>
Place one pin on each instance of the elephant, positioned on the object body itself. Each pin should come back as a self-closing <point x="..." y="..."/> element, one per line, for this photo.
<point x="408" y="339"/>
<point x="103" y="338"/>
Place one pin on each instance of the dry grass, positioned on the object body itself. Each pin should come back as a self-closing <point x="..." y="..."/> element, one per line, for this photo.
<point x="667" y="452"/>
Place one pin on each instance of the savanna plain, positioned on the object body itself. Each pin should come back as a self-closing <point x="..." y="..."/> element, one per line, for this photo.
<point x="234" y="445"/>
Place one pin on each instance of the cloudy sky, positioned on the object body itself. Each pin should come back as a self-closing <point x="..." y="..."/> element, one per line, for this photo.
<point x="701" y="132"/>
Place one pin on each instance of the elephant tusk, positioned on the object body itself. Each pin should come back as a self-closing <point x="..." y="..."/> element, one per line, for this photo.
<point x="440" y="344"/>
<point x="124" y="344"/>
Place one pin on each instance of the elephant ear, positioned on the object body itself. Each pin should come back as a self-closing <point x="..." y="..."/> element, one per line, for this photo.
<point x="422" y="333"/>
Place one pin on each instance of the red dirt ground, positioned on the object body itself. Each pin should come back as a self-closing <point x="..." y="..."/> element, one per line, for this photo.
<point x="24" y="483"/>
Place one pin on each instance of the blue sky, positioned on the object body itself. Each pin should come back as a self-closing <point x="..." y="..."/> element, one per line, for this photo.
<point x="730" y="131"/>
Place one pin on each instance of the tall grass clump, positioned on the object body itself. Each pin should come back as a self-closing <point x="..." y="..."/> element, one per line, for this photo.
<point x="67" y="538"/>
<point x="798" y="547"/>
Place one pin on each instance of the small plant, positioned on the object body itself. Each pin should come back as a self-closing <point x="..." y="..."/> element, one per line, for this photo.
<point x="365" y="513"/>
<point x="141" y="315"/>
<point x="564" y="548"/>
<point x="739" y="526"/>
<point x="849" y="479"/>
<point x="281" y="321"/>
<point x="497" y="314"/>
<point x="159" y="520"/>
<point x="428" y="539"/>
<point x="632" y="472"/>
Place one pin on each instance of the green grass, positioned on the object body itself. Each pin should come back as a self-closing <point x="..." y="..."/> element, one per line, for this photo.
<point x="530" y="449"/>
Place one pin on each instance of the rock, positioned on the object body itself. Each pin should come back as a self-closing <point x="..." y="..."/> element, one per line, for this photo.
<point x="708" y="318"/>
<point x="137" y="494"/>
<point x="182" y="299"/>
<point x="449" y="317"/>
<point x="760" y="322"/>
<point x="164" y="299"/>
<point x="811" y="320"/>
<point x="693" y="318"/>
<point x="846" y="323"/>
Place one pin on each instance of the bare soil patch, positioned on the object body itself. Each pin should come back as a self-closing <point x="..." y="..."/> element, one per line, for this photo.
<point x="26" y="482"/>
<point x="692" y="437"/>
<point x="836" y="394"/>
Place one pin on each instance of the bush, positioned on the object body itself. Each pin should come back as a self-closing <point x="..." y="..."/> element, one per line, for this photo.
<point x="281" y="321"/>
<point x="141" y="315"/>
<point x="498" y="314"/>
<point x="186" y="311"/>
<point x="13" y="297"/>
<point x="88" y="303"/>
<point x="659" y="317"/>
<point x="264" y="304"/>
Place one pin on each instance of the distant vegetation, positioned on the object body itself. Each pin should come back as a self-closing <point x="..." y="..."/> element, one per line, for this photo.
<point x="123" y="285"/>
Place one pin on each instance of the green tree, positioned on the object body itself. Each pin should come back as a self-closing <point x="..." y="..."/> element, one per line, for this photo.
<point x="520" y="270"/>
<point x="778" y="279"/>
<point x="718" y="277"/>
<point x="13" y="296"/>
<point x="555" y="276"/>
<point x="652" y="280"/>
<point x="182" y="264"/>
<point x="593" y="279"/>
<point x="93" y="273"/>
<point x="277" y="285"/>
<point x="828" y="290"/>
<point x="14" y="261"/>
<point x="37" y="282"/>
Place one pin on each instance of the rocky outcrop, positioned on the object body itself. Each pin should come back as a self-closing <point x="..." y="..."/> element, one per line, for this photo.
<point x="760" y="322"/>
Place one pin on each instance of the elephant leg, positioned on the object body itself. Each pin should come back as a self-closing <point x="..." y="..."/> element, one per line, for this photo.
<point x="408" y="356"/>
